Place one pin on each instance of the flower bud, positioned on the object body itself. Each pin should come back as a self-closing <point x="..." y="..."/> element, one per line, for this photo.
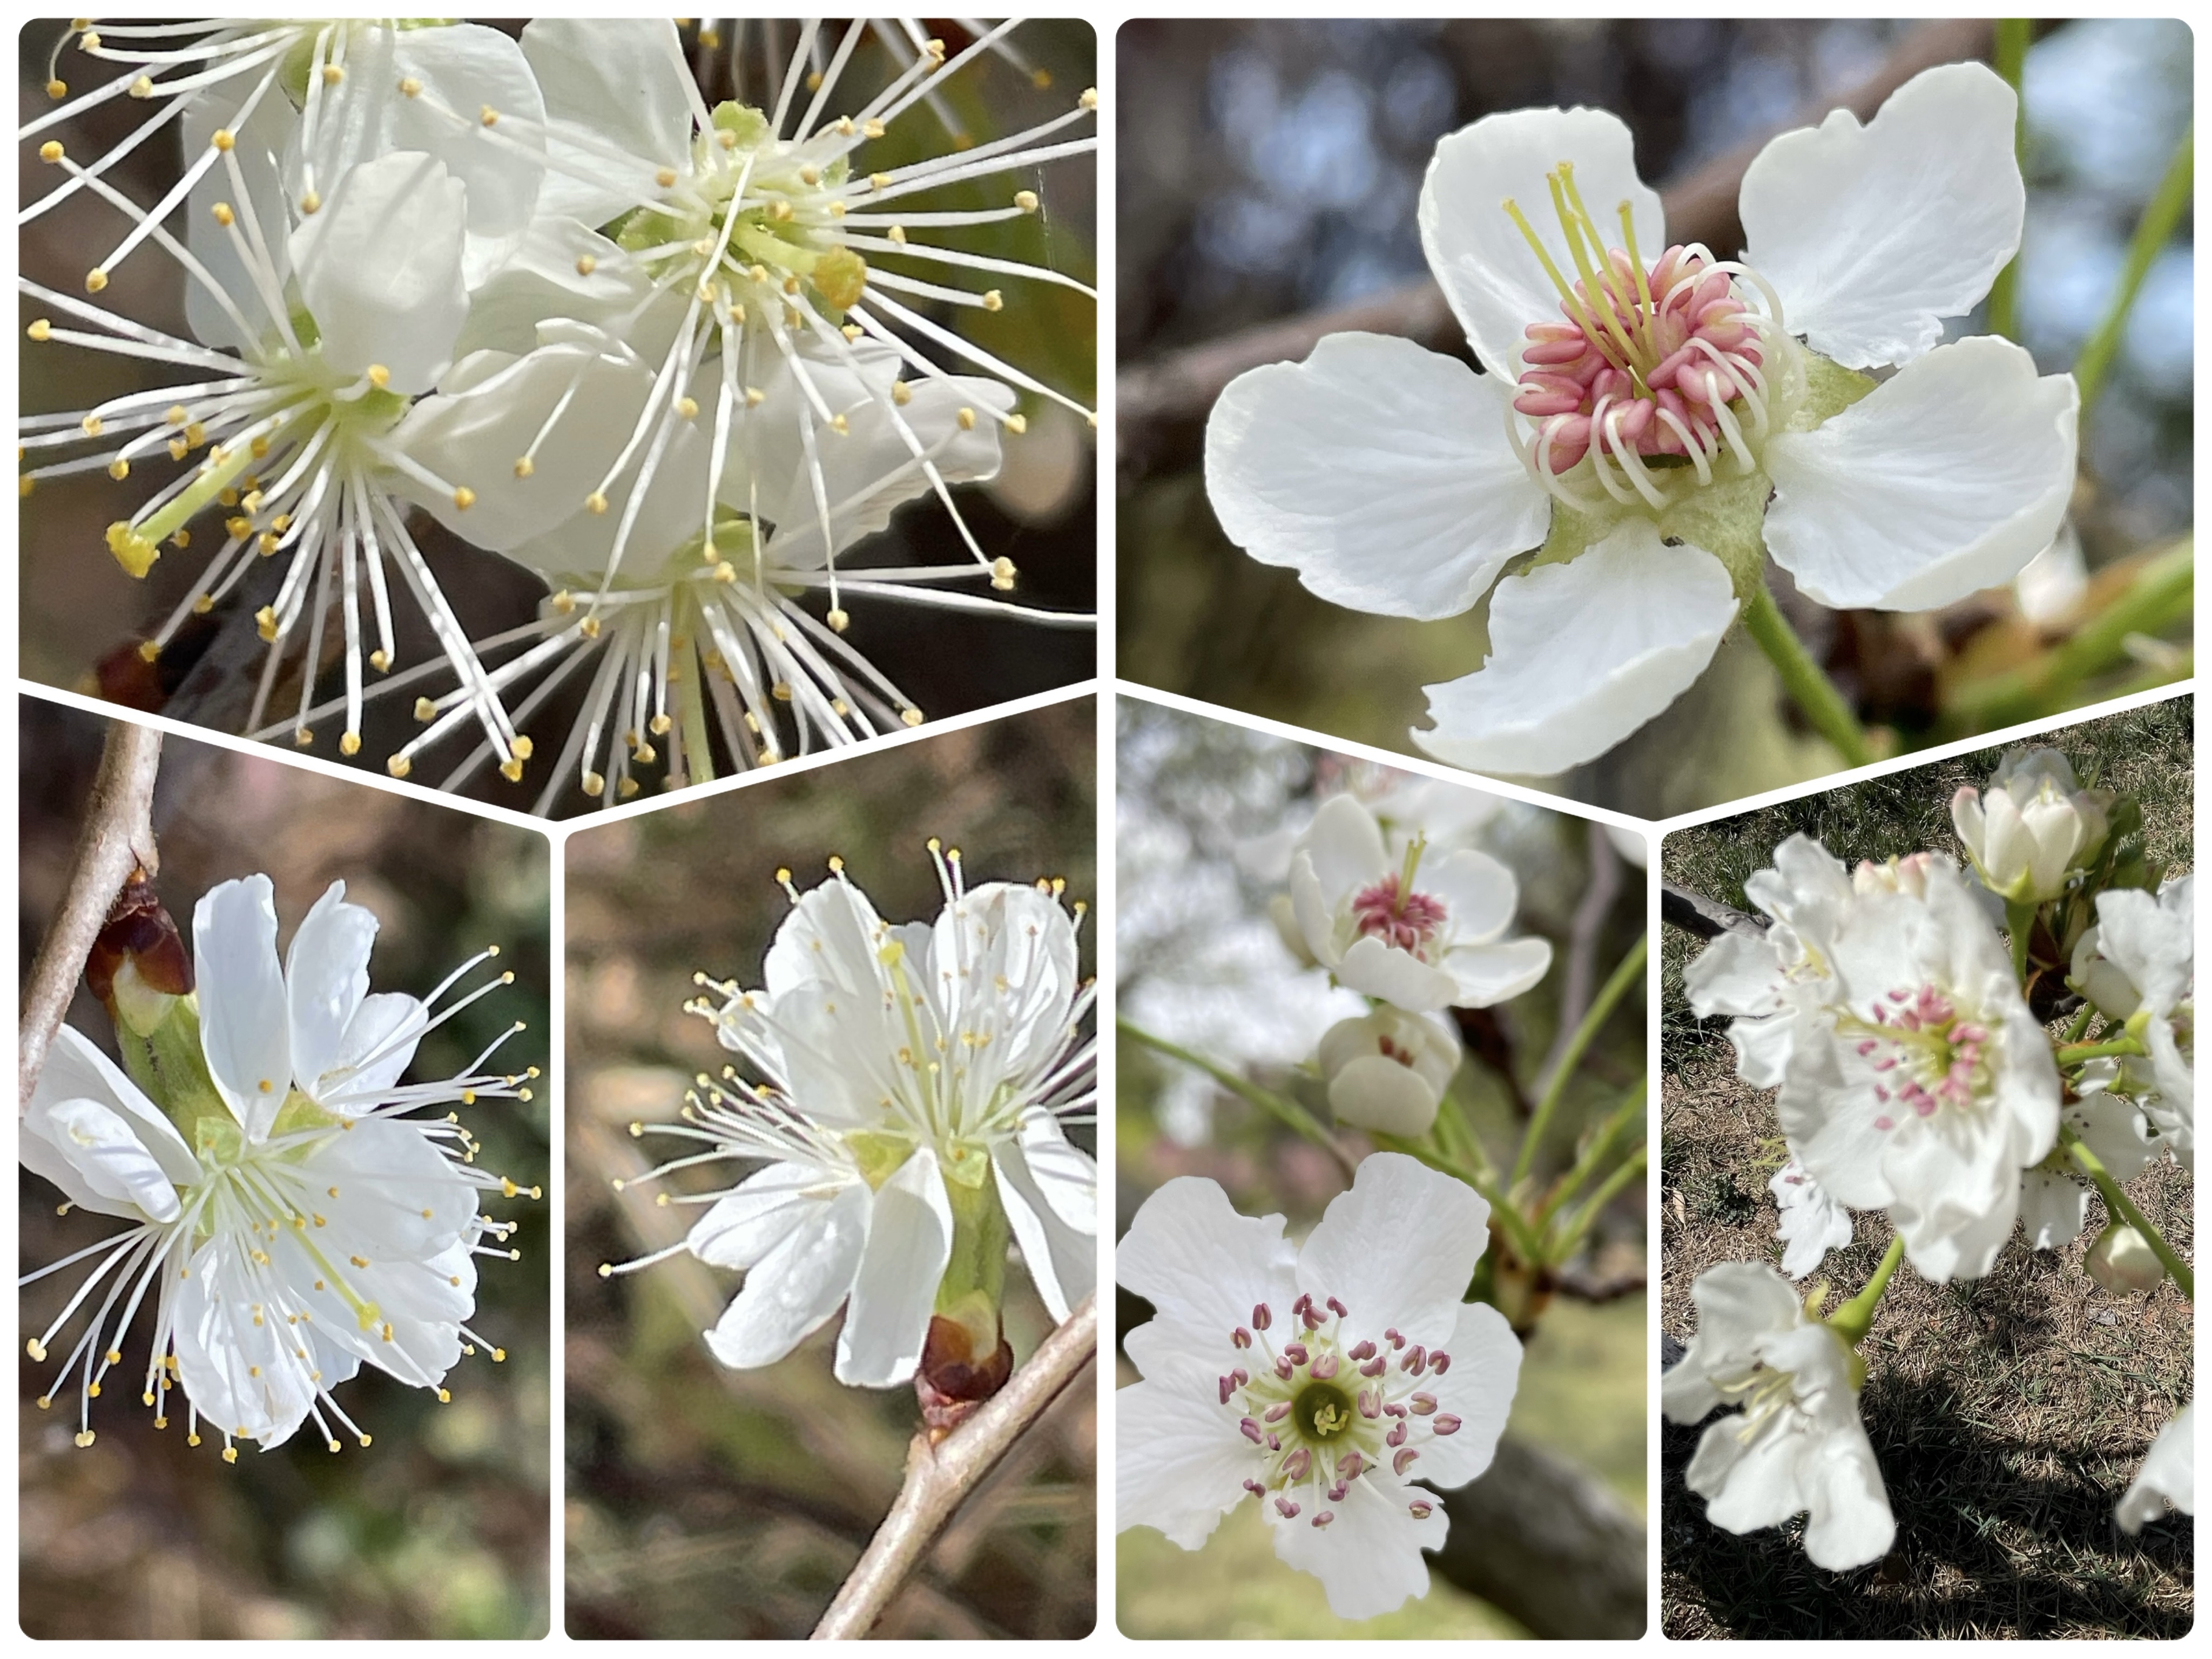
<point x="138" y="964"/>
<point x="2034" y="824"/>
<point x="1389" y="1070"/>
<point x="2123" y="1261"/>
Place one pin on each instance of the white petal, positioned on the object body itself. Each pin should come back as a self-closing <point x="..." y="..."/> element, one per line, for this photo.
<point x="380" y="269"/>
<point x="1848" y="1524"/>
<point x="761" y="1212"/>
<point x="378" y="1047"/>
<point x="1400" y="978"/>
<point x="1062" y="1259"/>
<point x="326" y="978"/>
<point x="1478" y="1389"/>
<point x="622" y="81"/>
<point x="103" y="1151"/>
<point x="1180" y="1463"/>
<point x="1582" y="654"/>
<point x="1369" y="1557"/>
<point x="2168" y="1475"/>
<point x="1873" y="235"/>
<point x="1374" y="1092"/>
<point x="1495" y="281"/>
<point x="540" y="280"/>
<point x="1346" y="846"/>
<point x="244" y="1019"/>
<point x="1945" y="479"/>
<point x="1378" y="470"/>
<point x="1487" y="974"/>
<point x="792" y="1289"/>
<point x="1480" y="893"/>
<point x="243" y="1376"/>
<point x="910" y="1239"/>
<point x="76" y="1070"/>
<point x="1398" y="1248"/>
<point x="1202" y="1265"/>
<point x="2052" y="1207"/>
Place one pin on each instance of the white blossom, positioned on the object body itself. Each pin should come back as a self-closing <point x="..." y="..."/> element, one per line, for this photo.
<point x="1813" y="1224"/>
<point x="1319" y="1380"/>
<point x="1389" y="1070"/>
<point x="2138" y="965"/>
<point x="2035" y="823"/>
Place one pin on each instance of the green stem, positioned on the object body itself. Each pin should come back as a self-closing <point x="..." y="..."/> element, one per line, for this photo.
<point x="2080" y="1028"/>
<point x="2118" y="1204"/>
<point x="1599" y="1149"/>
<point x="2020" y="923"/>
<point x="2162" y="595"/>
<point x="2153" y="231"/>
<point x="1288" y="1113"/>
<point x="1856" y="1317"/>
<point x="2072" y="1053"/>
<point x="1631" y="968"/>
<point x="691" y="712"/>
<point x="2010" y="57"/>
<point x="1633" y="1166"/>
<point x="1808" y="685"/>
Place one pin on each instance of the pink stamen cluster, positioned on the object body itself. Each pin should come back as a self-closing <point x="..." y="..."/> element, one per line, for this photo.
<point x="1931" y="1058"/>
<point x="1302" y="1475"/>
<point x="1408" y="921"/>
<point x="1629" y="376"/>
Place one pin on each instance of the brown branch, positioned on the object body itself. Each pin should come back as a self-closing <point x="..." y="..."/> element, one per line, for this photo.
<point x="1547" y="1543"/>
<point x="1703" y="918"/>
<point x="940" y="1477"/>
<point x="1156" y="403"/>
<point x="118" y="838"/>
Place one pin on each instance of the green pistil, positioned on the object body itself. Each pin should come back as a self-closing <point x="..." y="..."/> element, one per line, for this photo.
<point x="1323" y="1412"/>
<point x="1413" y="850"/>
<point x="136" y="545"/>
<point x="878" y="1155"/>
<point x="1585" y="245"/>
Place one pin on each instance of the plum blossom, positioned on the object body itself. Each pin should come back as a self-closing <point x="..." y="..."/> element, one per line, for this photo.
<point x="290" y="1218"/>
<point x="876" y="1150"/>
<point x="1319" y="1380"/>
<point x="1796" y="1447"/>
<point x="1658" y="420"/>
<point x="2035" y="823"/>
<point x="2167" y="1478"/>
<point x="1423" y="934"/>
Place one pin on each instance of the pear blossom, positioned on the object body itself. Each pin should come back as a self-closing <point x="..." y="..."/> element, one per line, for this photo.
<point x="1389" y="1070"/>
<point x="1658" y="420"/>
<point x="313" y="334"/>
<point x="2035" y="823"/>
<point x="1797" y="1445"/>
<point x="1919" y="1082"/>
<point x="2167" y="1478"/>
<point x="875" y="1148"/>
<point x="1424" y="934"/>
<point x="1813" y="1224"/>
<point x="2138" y="963"/>
<point x="1319" y="1380"/>
<point x="290" y="1218"/>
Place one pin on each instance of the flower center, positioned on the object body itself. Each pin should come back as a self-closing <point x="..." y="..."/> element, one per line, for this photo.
<point x="1761" y="1391"/>
<point x="1327" y="1406"/>
<point x="1393" y="911"/>
<point x="1929" y="1053"/>
<point x="1652" y="368"/>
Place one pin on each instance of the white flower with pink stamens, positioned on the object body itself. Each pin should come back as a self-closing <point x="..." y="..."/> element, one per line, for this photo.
<point x="1320" y="1381"/>
<point x="1796" y="1447"/>
<point x="2138" y="965"/>
<point x="1919" y="1081"/>
<point x="290" y="1221"/>
<point x="1659" y="421"/>
<point x="1424" y="934"/>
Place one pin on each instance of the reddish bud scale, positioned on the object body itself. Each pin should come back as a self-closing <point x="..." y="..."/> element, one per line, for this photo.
<point x="140" y="932"/>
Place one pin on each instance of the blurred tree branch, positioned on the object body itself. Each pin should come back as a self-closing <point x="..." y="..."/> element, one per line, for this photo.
<point x="1549" y="1544"/>
<point x="118" y="838"/>
<point x="1160" y="407"/>
<point x="939" y="1475"/>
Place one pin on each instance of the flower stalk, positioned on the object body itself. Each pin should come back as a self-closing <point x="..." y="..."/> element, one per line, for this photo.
<point x="1808" y="683"/>
<point x="1630" y="969"/>
<point x="2120" y="1205"/>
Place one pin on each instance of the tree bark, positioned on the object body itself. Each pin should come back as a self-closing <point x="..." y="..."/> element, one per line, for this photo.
<point x="1547" y="1543"/>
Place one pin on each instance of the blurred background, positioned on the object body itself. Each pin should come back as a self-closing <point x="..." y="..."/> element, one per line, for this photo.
<point x="1204" y="818"/>
<point x="2008" y="1412"/>
<point x="1269" y="174"/>
<point x="705" y="1503"/>
<point x="81" y="615"/>
<point x="441" y="1529"/>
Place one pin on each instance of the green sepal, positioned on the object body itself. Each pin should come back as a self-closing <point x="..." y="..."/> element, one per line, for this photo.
<point x="1830" y="389"/>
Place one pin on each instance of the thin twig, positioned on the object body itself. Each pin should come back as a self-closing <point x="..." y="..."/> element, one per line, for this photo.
<point x="940" y="1477"/>
<point x="1178" y="389"/>
<point x="117" y="839"/>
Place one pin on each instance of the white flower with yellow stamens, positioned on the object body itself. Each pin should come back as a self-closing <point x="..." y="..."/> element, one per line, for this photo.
<point x="290" y="1221"/>
<point x="315" y="334"/>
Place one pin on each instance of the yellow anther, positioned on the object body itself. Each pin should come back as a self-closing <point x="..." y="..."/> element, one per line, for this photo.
<point x="410" y="88"/>
<point x="230" y="1454"/>
<point x="151" y="651"/>
<point x="525" y="467"/>
<point x="488" y="116"/>
<point x="755" y="397"/>
<point x="665" y="178"/>
<point x="511" y="769"/>
<point x="898" y="234"/>
<point x="688" y="408"/>
<point x="50" y="151"/>
<point x="993" y="301"/>
<point x="40" y="329"/>
<point x="1026" y="200"/>
<point x="400" y="766"/>
<point x="223" y="140"/>
<point x="523" y="749"/>
<point x="838" y="621"/>
<point x="94" y="280"/>
<point x="596" y="501"/>
<point x="332" y="75"/>
<point x="872" y="129"/>
<point x="1018" y="424"/>
<point x="464" y="498"/>
<point x="378" y="376"/>
<point x="58" y="90"/>
<point x="1090" y="98"/>
<point x="1002" y="575"/>
<point x="305" y="739"/>
<point x="380" y="659"/>
<point x="594" y="785"/>
<point x="967" y="419"/>
<point x="902" y="393"/>
<point x="311" y="202"/>
<point x="223" y="216"/>
<point x="119" y="468"/>
<point x="910" y="716"/>
<point x="349" y="743"/>
<point x="265" y="620"/>
<point x="85" y="1439"/>
<point x="585" y="265"/>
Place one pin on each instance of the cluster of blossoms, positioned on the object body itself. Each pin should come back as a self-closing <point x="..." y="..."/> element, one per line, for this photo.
<point x="289" y="1214"/>
<point x="1914" y="1075"/>
<point x="1415" y="930"/>
<point x="1321" y="1380"/>
<point x="675" y="359"/>
<point x="910" y="1092"/>
<point x="1656" y="428"/>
